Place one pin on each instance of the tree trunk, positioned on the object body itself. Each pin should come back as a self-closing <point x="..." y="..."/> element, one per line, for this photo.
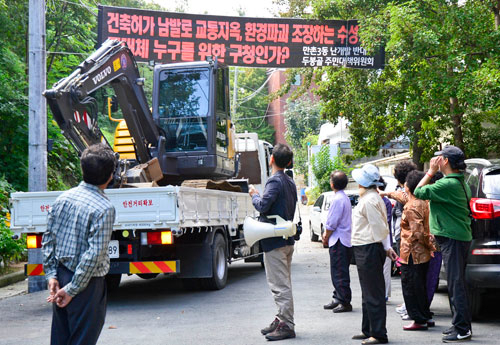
<point x="416" y="149"/>
<point x="496" y="11"/>
<point x="456" y="117"/>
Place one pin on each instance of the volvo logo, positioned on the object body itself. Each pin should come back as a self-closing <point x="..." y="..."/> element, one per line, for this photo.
<point x="103" y="74"/>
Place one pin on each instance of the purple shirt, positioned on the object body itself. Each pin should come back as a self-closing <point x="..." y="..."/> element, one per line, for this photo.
<point x="339" y="219"/>
<point x="388" y="206"/>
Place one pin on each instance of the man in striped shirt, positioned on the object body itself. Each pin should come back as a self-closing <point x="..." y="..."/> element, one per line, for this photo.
<point x="75" y="249"/>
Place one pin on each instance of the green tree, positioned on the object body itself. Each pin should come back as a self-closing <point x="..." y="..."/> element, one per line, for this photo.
<point x="301" y="155"/>
<point x="10" y="249"/>
<point x="302" y="117"/>
<point x="71" y="36"/>
<point x="252" y="103"/>
<point x="323" y="165"/>
<point x="303" y="122"/>
<point x="440" y="81"/>
<point x="13" y="116"/>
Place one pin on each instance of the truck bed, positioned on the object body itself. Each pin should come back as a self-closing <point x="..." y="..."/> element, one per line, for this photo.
<point x="144" y="208"/>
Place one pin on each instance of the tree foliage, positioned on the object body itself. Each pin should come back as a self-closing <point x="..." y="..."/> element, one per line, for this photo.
<point x="71" y="35"/>
<point x="10" y="249"/>
<point x="441" y="77"/>
<point x="303" y="122"/>
<point x="251" y="103"/>
<point x="323" y="165"/>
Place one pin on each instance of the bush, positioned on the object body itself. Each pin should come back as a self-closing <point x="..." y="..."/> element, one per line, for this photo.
<point x="323" y="166"/>
<point x="10" y="249"/>
<point x="5" y="190"/>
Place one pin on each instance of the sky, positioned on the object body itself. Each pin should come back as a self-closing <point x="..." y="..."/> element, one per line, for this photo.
<point x="251" y="8"/>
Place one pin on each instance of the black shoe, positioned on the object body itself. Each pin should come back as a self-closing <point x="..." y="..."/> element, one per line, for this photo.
<point x="373" y="340"/>
<point x="332" y="305"/>
<point x="271" y="327"/>
<point x="342" y="308"/>
<point x="281" y="332"/>
<point x="361" y="336"/>
<point x="449" y="331"/>
<point x="456" y="337"/>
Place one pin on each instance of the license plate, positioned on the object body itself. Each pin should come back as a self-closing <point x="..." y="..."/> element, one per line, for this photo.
<point x="114" y="250"/>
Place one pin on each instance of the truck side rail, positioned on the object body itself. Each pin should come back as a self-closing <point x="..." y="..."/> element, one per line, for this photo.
<point x="145" y="208"/>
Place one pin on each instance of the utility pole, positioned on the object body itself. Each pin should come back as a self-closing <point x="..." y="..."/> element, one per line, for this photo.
<point x="235" y="90"/>
<point x="37" y="65"/>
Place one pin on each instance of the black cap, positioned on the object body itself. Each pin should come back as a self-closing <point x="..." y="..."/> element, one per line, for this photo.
<point x="451" y="152"/>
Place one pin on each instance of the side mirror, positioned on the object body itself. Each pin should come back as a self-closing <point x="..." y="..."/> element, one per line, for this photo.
<point x="317" y="209"/>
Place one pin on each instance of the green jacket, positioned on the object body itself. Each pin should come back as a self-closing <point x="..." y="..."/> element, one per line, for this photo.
<point x="449" y="216"/>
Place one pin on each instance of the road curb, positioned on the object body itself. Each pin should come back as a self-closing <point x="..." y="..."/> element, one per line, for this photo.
<point x="12" y="278"/>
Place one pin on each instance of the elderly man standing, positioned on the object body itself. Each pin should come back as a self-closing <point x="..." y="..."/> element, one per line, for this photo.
<point x="75" y="248"/>
<point x="279" y="198"/>
<point x="449" y="222"/>
<point x="338" y="238"/>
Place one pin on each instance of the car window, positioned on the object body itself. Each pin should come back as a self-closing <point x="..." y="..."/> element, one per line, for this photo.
<point x="328" y="203"/>
<point x="319" y="202"/>
<point x="472" y="179"/>
<point x="491" y="182"/>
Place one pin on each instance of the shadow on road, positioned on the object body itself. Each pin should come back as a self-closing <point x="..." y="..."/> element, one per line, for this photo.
<point x="166" y="287"/>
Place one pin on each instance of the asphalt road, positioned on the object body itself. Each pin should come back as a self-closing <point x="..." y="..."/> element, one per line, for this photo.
<point x="159" y="311"/>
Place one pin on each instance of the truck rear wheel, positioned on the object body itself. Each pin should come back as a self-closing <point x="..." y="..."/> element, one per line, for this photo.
<point x="219" y="265"/>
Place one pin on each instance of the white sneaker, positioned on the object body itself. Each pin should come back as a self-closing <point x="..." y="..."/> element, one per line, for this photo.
<point x="405" y="317"/>
<point x="401" y="309"/>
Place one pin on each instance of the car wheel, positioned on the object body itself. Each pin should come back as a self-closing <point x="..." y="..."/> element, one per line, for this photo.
<point x="314" y="237"/>
<point x="219" y="266"/>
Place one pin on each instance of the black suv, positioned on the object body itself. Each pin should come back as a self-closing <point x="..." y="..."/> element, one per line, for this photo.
<point x="483" y="264"/>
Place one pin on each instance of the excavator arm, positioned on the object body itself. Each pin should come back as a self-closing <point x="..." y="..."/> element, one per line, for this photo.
<point x="75" y="110"/>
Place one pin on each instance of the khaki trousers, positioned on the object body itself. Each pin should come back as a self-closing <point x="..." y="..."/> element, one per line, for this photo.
<point x="278" y="263"/>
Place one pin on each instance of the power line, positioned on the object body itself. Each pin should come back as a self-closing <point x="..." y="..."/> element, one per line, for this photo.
<point x="256" y="117"/>
<point x="252" y="95"/>
<point x="66" y="53"/>
<point x="90" y="9"/>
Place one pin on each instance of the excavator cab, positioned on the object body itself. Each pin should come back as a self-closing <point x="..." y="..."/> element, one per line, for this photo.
<point x="191" y="108"/>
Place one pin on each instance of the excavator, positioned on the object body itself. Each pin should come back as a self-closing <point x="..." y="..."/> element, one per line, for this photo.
<point x="188" y="128"/>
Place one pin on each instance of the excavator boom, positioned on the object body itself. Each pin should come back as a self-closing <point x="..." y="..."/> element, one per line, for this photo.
<point x="75" y="110"/>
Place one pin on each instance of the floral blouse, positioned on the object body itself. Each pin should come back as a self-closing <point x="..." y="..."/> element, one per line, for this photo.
<point x="415" y="233"/>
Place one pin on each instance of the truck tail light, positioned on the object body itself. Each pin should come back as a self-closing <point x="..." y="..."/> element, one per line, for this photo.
<point x="166" y="237"/>
<point x="485" y="208"/>
<point x="34" y="241"/>
<point x="156" y="237"/>
<point x="486" y="251"/>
